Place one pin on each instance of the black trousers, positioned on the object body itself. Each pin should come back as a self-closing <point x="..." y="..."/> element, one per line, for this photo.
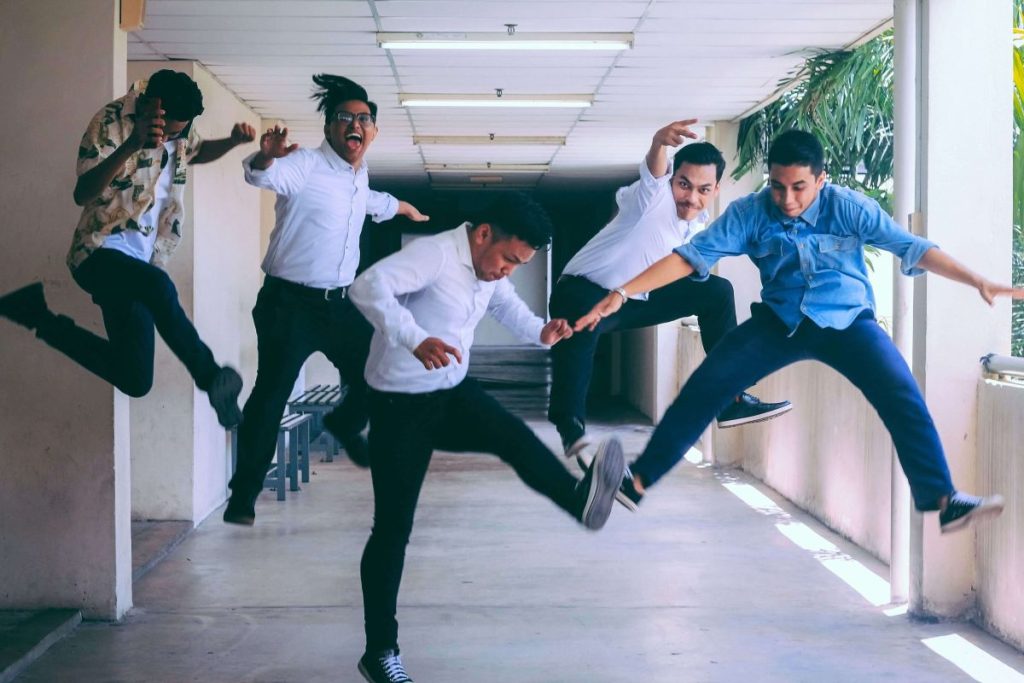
<point x="135" y="297"/>
<point x="404" y="431"/>
<point x="572" y="359"/>
<point x="293" y="322"/>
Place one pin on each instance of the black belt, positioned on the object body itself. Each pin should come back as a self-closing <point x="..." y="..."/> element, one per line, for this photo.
<point x="320" y="293"/>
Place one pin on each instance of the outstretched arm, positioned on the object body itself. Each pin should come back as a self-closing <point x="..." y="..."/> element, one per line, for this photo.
<point x="211" y="150"/>
<point x="669" y="269"/>
<point x="670" y="136"/>
<point x="939" y="262"/>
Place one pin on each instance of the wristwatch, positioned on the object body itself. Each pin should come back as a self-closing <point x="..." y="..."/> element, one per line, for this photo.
<point x="621" y="291"/>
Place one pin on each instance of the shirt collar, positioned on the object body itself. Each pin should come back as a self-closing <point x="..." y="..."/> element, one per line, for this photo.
<point x="809" y="216"/>
<point x="462" y="246"/>
<point x="337" y="163"/>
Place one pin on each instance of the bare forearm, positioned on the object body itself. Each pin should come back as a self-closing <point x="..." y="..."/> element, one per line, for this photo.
<point x="669" y="269"/>
<point x="939" y="262"/>
<point x="91" y="184"/>
<point x="211" y="150"/>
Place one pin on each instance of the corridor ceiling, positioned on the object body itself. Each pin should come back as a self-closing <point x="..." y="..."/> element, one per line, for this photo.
<point x="709" y="59"/>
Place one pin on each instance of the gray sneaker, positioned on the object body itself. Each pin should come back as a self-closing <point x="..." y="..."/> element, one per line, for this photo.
<point x="597" y="489"/>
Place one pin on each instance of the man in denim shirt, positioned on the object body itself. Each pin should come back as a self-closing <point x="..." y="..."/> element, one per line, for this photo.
<point x="806" y="238"/>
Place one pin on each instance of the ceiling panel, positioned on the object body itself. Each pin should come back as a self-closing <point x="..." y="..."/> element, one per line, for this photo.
<point x="692" y="58"/>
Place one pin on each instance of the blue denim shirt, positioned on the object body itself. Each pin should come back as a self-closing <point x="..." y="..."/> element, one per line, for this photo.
<point x="812" y="266"/>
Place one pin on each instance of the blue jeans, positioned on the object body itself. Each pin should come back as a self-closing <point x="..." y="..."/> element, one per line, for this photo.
<point x="862" y="353"/>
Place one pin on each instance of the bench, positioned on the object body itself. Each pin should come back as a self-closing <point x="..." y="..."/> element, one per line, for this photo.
<point x="317" y="402"/>
<point x="292" y="453"/>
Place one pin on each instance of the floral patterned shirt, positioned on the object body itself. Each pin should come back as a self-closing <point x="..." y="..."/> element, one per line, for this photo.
<point x="132" y="192"/>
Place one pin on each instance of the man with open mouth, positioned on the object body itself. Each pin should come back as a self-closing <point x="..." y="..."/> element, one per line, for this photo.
<point x="323" y="195"/>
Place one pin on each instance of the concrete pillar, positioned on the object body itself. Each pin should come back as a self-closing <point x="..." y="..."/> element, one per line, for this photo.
<point x="65" y="533"/>
<point x="966" y="203"/>
<point x="180" y="459"/>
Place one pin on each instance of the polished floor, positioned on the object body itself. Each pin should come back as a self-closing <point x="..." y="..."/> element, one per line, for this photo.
<point x="500" y="586"/>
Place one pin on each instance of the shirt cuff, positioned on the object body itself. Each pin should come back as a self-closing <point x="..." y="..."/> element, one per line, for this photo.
<point x="410" y="338"/>
<point x="701" y="269"/>
<point x="253" y="173"/>
<point x="389" y="211"/>
<point x="913" y="256"/>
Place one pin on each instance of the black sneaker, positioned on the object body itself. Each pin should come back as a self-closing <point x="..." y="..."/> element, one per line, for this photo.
<point x="962" y="509"/>
<point x="598" y="486"/>
<point x="627" y="495"/>
<point x="356" y="448"/>
<point x="749" y="409"/>
<point x="223" y="394"/>
<point x="25" y="306"/>
<point x="241" y="510"/>
<point x="383" y="667"/>
<point x="574" y="437"/>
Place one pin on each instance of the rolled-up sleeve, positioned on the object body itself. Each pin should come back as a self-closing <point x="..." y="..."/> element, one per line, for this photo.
<point x="381" y="206"/>
<point x="727" y="236"/>
<point x="878" y="229"/>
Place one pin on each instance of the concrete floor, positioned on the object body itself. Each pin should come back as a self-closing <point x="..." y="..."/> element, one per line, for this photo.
<point x="501" y="587"/>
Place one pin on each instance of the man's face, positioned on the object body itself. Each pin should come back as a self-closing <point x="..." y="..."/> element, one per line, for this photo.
<point x="174" y="129"/>
<point x="692" y="188"/>
<point x="497" y="257"/>
<point x="794" y="188"/>
<point x="350" y="137"/>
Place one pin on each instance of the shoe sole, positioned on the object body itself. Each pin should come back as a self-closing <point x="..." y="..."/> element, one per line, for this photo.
<point x="240" y="520"/>
<point x="761" y="417"/>
<point x="983" y="512"/>
<point x="364" y="672"/>
<point x="609" y="466"/>
<point x="620" y="497"/>
<point x="224" y="399"/>
<point x="577" y="447"/>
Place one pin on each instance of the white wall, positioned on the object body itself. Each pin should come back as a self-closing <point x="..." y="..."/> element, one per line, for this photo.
<point x="1001" y="468"/>
<point x="64" y="443"/>
<point x="179" y="455"/>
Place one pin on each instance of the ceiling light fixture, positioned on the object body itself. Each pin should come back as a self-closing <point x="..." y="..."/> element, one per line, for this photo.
<point x="504" y="168"/>
<point x="497" y="100"/>
<point x="510" y="40"/>
<point x="491" y="139"/>
<point x="491" y="179"/>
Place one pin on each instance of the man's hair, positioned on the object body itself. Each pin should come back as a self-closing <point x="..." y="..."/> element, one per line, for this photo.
<point x="333" y="90"/>
<point x="516" y="214"/>
<point x="797" y="148"/>
<point x="179" y="95"/>
<point x="700" y="154"/>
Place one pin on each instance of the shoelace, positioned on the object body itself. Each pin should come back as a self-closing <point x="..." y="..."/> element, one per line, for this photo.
<point x="964" y="499"/>
<point x="392" y="665"/>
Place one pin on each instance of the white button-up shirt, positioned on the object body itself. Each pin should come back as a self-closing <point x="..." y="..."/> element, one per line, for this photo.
<point x="645" y="230"/>
<point x="430" y="289"/>
<point x="321" y="204"/>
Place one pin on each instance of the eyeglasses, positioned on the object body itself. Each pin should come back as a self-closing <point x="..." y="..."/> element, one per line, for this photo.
<point x="348" y="117"/>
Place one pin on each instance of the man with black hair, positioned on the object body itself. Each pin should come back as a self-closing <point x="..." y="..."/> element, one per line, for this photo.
<point x="424" y="303"/>
<point x="131" y="183"/>
<point x="657" y="213"/>
<point x="323" y="197"/>
<point x="806" y="236"/>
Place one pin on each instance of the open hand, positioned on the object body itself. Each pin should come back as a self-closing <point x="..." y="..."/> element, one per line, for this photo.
<point x="433" y="353"/>
<point x="411" y="212"/>
<point x="274" y="143"/>
<point x="672" y="135"/>
<point x="990" y="290"/>
<point x="602" y="309"/>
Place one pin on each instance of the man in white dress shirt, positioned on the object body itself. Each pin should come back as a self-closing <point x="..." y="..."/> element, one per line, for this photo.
<point x="323" y="196"/>
<point x="656" y="214"/>
<point x="424" y="303"/>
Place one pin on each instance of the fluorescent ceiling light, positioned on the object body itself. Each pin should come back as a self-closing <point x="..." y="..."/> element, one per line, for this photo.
<point x="488" y="140"/>
<point x="448" y="100"/>
<point x="505" y="168"/>
<point x="505" y="41"/>
<point x="485" y="179"/>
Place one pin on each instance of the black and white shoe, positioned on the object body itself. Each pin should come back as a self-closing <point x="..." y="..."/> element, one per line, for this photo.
<point x="627" y="495"/>
<point x="597" y="489"/>
<point x="223" y="394"/>
<point x="747" y="409"/>
<point x="963" y="509"/>
<point x="574" y="437"/>
<point x="383" y="667"/>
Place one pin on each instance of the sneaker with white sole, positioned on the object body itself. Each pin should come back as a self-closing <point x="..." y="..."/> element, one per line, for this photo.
<point x="747" y="409"/>
<point x="597" y="489"/>
<point x="383" y="667"/>
<point x="627" y="495"/>
<point x="963" y="509"/>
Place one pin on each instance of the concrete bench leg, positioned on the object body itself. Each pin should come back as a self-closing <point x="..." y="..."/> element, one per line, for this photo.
<point x="304" y="430"/>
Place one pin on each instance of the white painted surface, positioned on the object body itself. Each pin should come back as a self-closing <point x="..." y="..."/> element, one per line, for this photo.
<point x="64" y="451"/>
<point x="180" y="460"/>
